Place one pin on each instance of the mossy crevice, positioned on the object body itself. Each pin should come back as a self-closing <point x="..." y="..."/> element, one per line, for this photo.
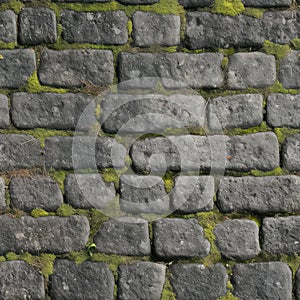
<point x="228" y="7"/>
<point x="39" y="212"/>
<point x="284" y="132"/>
<point x="14" y="5"/>
<point x="254" y="12"/>
<point x="167" y="293"/>
<point x="263" y="127"/>
<point x="295" y="43"/>
<point x="8" y="46"/>
<point x="279" y="51"/>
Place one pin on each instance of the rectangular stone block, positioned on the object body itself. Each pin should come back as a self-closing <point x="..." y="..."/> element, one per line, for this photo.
<point x="267" y="3"/>
<point x="195" y="3"/>
<point x="291" y="153"/>
<point x="8" y="28"/>
<point x="289" y="71"/>
<point x="4" y="112"/>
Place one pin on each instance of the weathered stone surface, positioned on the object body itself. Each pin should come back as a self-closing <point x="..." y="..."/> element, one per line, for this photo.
<point x="128" y="236"/>
<point x="88" y="191"/>
<point x="297" y="284"/>
<point x="132" y="113"/>
<point x="195" y="3"/>
<point x="256" y="70"/>
<point x="2" y="194"/>
<point x="289" y="71"/>
<point x="143" y="194"/>
<point x="179" y="238"/>
<point x="8" y="28"/>
<point x="16" y="67"/>
<point x="28" y="193"/>
<point x="281" y="235"/>
<point x="50" y="110"/>
<point x="88" y="280"/>
<point x="259" y="194"/>
<point x="83" y="152"/>
<point x="19" y="280"/>
<point x="141" y="280"/>
<point x="104" y="28"/>
<point x="73" y="68"/>
<point x="192" y="194"/>
<point x="37" y="26"/>
<point x="137" y="2"/>
<point x="194" y="281"/>
<point x="4" y="112"/>
<point x="175" y="69"/>
<point x="272" y="280"/>
<point x="155" y="29"/>
<point x="19" y="151"/>
<point x="46" y="234"/>
<point x="266" y="3"/>
<point x="291" y="153"/>
<point x="238" y="239"/>
<point x="80" y="1"/>
<point x="235" y="111"/>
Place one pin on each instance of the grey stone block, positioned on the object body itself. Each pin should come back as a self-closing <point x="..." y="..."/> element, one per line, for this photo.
<point x="289" y="71"/>
<point x="28" y="193"/>
<point x="104" y="28"/>
<point x="83" y="152"/>
<point x="19" y="280"/>
<point x="74" y="68"/>
<point x="16" y="67"/>
<point x="174" y="238"/>
<point x="235" y="111"/>
<point x="141" y="280"/>
<point x="238" y="239"/>
<point x="256" y="70"/>
<point x="195" y="281"/>
<point x="129" y="236"/>
<point x="297" y="284"/>
<point x="195" y="3"/>
<point x="37" y="26"/>
<point x="88" y="191"/>
<point x="88" y="280"/>
<point x="175" y="69"/>
<point x="4" y="112"/>
<point x="192" y="194"/>
<point x="155" y="29"/>
<point x="271" y="280"/>
<point x="46" y="234"/>
<point x="291" y="153"/>
<point x="8" y="28"/>
<point x="267" y="3"/>
<point x="50" y="110"/>
<point x="2" y="194"/>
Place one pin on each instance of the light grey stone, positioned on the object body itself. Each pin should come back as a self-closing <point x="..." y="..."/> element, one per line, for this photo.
<point x="2" y="194"/>
<point x="297" y="284"/>
<point x="291" y="153"/>
<point x="289" y="71"/>
<point x="4" y="112"/>
<point x="8" y="28"/>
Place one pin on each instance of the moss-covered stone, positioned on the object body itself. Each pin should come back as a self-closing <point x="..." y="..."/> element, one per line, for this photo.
<point x="295" y="43"/>
<point x="228" y="7"/>
<point x="65" y="210"/>
<point x="263" y="127"/>
<point x="14" y="5"/>
<point x="254" y="12"/>
<point x="39" y="212"/>
<point x="280" y="51"/>
<point x="284" y="132"/>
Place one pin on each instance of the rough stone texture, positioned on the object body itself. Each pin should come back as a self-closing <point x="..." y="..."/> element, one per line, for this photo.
<point x="235" y="111"/>
<point x="2" y="194"/>
<point x="88" y="191"/>
<point x="137" y="2"/>
<point x="83" y="152"/>
<point x="259" y="194"/>
<point x="195" y="3"/>
<point x="238" y="239"/>
<point x="50" y="110"/>
<point x="267" y="3"/>
<point x="291" y="153"/>
<point x="289" y="71"/>
<point x="19" y="280"/>
<point x="37" y="26"/>
<point x="28" y="193"/>
<point x="88" y="280"/>
<point x="143" y="194"/>
<point x="132" y="113"/>
<point x="8" y="27"/>
<point x="297" y="284"/>
<point x="74" y="68"/>
<point x="79" y="1"/>
<point x="192" y="194"/>
<point x="19" y="151"/>
<point x="256" y="70"/>
<point x="4" y="112"/>
<point x="128" y="236"/>
<point x="46" y="234"/>
<point x="155" y="29"/>
<point x="16" y="67"/>
<point x="195" y="281"/>
<point x="272" y="280"/>
<point x="104" y="28"/>
<point x="141" y="280"/>
<point x="175" y="69"/>
<point x="174" y="238"/>
<point x="281" y="235"/>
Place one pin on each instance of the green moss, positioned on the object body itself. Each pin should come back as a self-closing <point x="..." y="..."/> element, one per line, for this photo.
<point x="280" y="51"/>
<point x="168" y="181"/>
<point x="39" y="212"/>
<point x="113" y="175"/>
<point x="277" y="87"/>
<point x="263" y="127"/>
<point x="296" y="43"/>
<point x="11" y="256"/>
<point x="129" y="27"/>
<point x="78" y="257"/>
<point x="227" y="51"/>
<point x="59" y="177"/>
<point x="14" y="5"/>
<point x="225" y="63"/>
<point x="276" y="172"/>
<point x="2" y="259"/>
<point x="10" y="46"/>
<point x="284" y="132"/>
<point x="98" y="111"/>
<point x="167" y="293"/>
<point x="254" y="12"/>
<point x="65" y="210"/>
<point x="45" y="263"/>
<point x="228" y="296"/>
<point x="228" y="7"/>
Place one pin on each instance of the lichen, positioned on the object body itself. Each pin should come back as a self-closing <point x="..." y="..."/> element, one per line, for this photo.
<point x="39" y="212"/>
<point x="228" y="7"/>
<point x="280" y="51"/>
<point x="295" y="43"/>
<point x="65" y="210"/>
<point x="254" y="12"/>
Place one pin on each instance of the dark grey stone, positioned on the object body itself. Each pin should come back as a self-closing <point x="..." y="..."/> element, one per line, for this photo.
<point x="37" y="26"/>
<point x="137" y="2"/>
<point x="195" y="3"/>
<point x="267" y="3"/>
<point x="19" y="280"/>
<point x="128" y="236"/>
<point x="141" y="280"/>
<point x="88" y="280"/>
<point x="2" y="194"/>
<point x="289" y="71"/>
<point x="104" y="28"/>
<point x="155" y="29"/>
<point x="297" y="284"/>
<point x="192" y="194"/>
<point x="238" y="239"/>
<point x="74" y="68"/>
<point x="291" y="153"/>
<point x="235" y="111"/>
<point x="255" y="70"/>
<point x="195" y="281"/>
<point x="4" y="112"/>
<point x="264" y="281"/>
<point x="8" y="28"/>
<point x="88" y="191"/>
<point x="174" y="238"/>
<point x="45" y="234"/>
<point x="16" y="67"/>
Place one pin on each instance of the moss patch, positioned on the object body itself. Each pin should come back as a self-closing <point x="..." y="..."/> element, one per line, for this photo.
<point x="284" y="132"/>
<point x="263" y="127"/>
<point x="167" y="293"/>
<point x="296" y="43"/>
<point x="254" y="12"/>
<point x="14" y="5"/>
<point x="228" y="296"/>
<point x="9" y="46"/>
<point x="65" y="210"/>
<point x="59" y="177"/>
<point x="78" y="257"/>
<point x="113" y="175"/>
<point x="280" y="51"/>
<point x="277" y="87"/>
<point x="228" y="7"/>
<point x="39" y="212"/>
<point x="168" y="181"/>
<point x="276" y="172"/>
